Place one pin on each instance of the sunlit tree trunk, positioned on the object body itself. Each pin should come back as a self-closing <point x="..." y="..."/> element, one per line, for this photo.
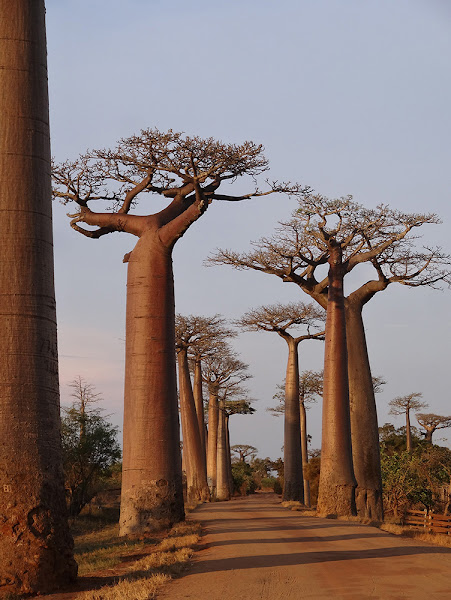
<point x="364" y="426"/>
<point x="152" y="496"/>
<point x="196" y="474"/>
<point x="337" y="482"/>
<point x="229" y="455"/>
<point x="199" y="402"/>
<point x="213" y="417"/>
<point x="408" y="431"/>
<point x="304" y="449"/>
<point x="293" y="488"/>
<point x="222" y="467"/>
<point x="35" y="544"/>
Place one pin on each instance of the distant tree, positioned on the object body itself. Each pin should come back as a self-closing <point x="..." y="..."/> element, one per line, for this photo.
<point x="384" y="240"/>
<point x="236" y="402"/>
<point x="282" y="319"/>
<point x="90" y="446"/>
<point x="402" y="405"/>
<point x="222" y="372"/>
<point x="393" y="439"/>
<point x="186" y="173"/>
<point x="244" y="451"/>
<point x="310" y="386"/>
<point x="431" y="422"/>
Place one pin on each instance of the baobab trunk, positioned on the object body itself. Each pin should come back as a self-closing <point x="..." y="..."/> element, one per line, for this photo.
<point x="304" y="451"/>
<point x="337" y="482"/>
<point x="293" y="479"/>
<point x="152" y="494"/>
<point x="408" y="432"/>
<point x="196" y="474"/>
<point x="213" y="416"/>
<point x="199" y="403"/>
<point x="228" y="452"/>
<point x="222" y="467"/>
<point x="35" y="543"/>
<point x="364" y="427"/>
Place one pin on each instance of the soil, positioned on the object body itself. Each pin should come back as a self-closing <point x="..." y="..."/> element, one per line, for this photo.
<point x="255" y="548"/>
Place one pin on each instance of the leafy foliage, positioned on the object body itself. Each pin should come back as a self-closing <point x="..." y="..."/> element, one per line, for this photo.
<point x="90" y="447"/>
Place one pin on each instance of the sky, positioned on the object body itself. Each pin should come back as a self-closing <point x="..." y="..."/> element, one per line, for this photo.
<point x="347" y="96"/>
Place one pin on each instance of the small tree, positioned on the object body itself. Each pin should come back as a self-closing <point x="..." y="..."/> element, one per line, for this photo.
<point x="243" y="451"/>
<point x="402" y="405"/>
<point x="90" y="446"/>
<point x="431" y="422"/>
<point x="282" y="319"/>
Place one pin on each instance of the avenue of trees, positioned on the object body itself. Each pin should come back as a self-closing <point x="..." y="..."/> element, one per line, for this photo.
<point x="341" y="235"/>
<point x="323" y="242"/>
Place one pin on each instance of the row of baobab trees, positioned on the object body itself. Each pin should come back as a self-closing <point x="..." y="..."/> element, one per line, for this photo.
<point x="316" y="249"/>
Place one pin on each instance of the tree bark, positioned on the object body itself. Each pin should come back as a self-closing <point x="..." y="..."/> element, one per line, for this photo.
<point x="213" y="416"/>
<point x="196" y="474"/>
<point x="293" y="488"/>
<point x="152" y="495"/>
<point x="304" y="451"/>
<point x="337" y="482"/>
<point x="35" y="543"/>
<point x="408" y="432"/>
<point x="228" y="452"/>
<point x="199" y="402"/>
<point x="222" y="470"/>
<point x="364" y="426"/>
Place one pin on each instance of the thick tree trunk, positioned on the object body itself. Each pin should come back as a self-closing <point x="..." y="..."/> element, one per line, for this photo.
<point x="213" y="416"/>
<point x="222" y="468"/>
<point x="199" y="402"/>
<point x="152" y="495"/>
<point x="35" y="543"/>
<point x="337" y="482"/>
<point x="304" y="452"/>
<point x="196" y="474"/>
<point x="364" y="427"/>
<point x="293" y="488"/>
<point x="428" y="435"/>
<point x="408" y="432"/>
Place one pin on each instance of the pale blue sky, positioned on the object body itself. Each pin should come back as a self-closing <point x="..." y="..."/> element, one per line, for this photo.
<point x="347" y="96"/>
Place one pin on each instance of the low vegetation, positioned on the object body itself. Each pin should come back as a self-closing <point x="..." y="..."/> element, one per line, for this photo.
<point x="143" y="565"/>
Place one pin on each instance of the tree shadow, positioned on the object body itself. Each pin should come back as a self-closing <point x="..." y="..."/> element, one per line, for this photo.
<point x="290" y="540"/>
<point x="304" y="558"/>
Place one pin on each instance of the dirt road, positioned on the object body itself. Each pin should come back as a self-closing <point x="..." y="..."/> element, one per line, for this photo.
<point x="255" y="549"/>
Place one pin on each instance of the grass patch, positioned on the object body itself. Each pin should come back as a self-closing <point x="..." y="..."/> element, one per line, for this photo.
<point x="144" y="576"/>
<point x="437" y="539"/>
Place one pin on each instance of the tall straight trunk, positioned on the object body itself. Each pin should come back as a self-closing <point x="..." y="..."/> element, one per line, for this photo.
<point x="35" y="543"/>
<point x="364" y="427"/>
<point x="229" y="454"/>
<point x="337" y="482"/>
<point x="304" y="449"/>
<point x="213" y="416"/>
<point x="408" y="432"/>
<point x="152" y="495"/>
<point x="293" y="488"/>
<point x="196" y="473"/>
<point x="199" y="402"/>
<point x="222" y="468"/>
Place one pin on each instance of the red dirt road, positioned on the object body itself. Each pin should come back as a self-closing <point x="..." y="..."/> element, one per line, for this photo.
<point x="257" y="550"/>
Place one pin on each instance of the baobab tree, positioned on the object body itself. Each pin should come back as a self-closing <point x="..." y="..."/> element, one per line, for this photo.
<point x="280" y="319"/>
<point x="402" y="405"/>
<point x="186" y="173"/>
<point x="244" y="451"/>
<point x="310" y="387"/>
<point x="431" y="422"/>
<point x="221" y="372"/>
<point x="35" y="543"/>
<point x="236" y="402"/>
<point x="381" y="238"/>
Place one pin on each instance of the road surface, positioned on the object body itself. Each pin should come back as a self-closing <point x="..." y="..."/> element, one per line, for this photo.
<point x="254" y="549"/>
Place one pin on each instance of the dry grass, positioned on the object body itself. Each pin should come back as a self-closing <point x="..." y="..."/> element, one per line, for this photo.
<point x="144" y="576"/>
<point x="298" y="506"/>
<point x="437" y="539"/>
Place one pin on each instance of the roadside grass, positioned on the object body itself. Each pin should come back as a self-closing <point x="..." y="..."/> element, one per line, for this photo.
<point x="102" y="548"/>
<point x="437" y="539"/>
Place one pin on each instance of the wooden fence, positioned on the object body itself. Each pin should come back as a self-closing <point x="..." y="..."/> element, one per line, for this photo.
<point x="428" y="521"/>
